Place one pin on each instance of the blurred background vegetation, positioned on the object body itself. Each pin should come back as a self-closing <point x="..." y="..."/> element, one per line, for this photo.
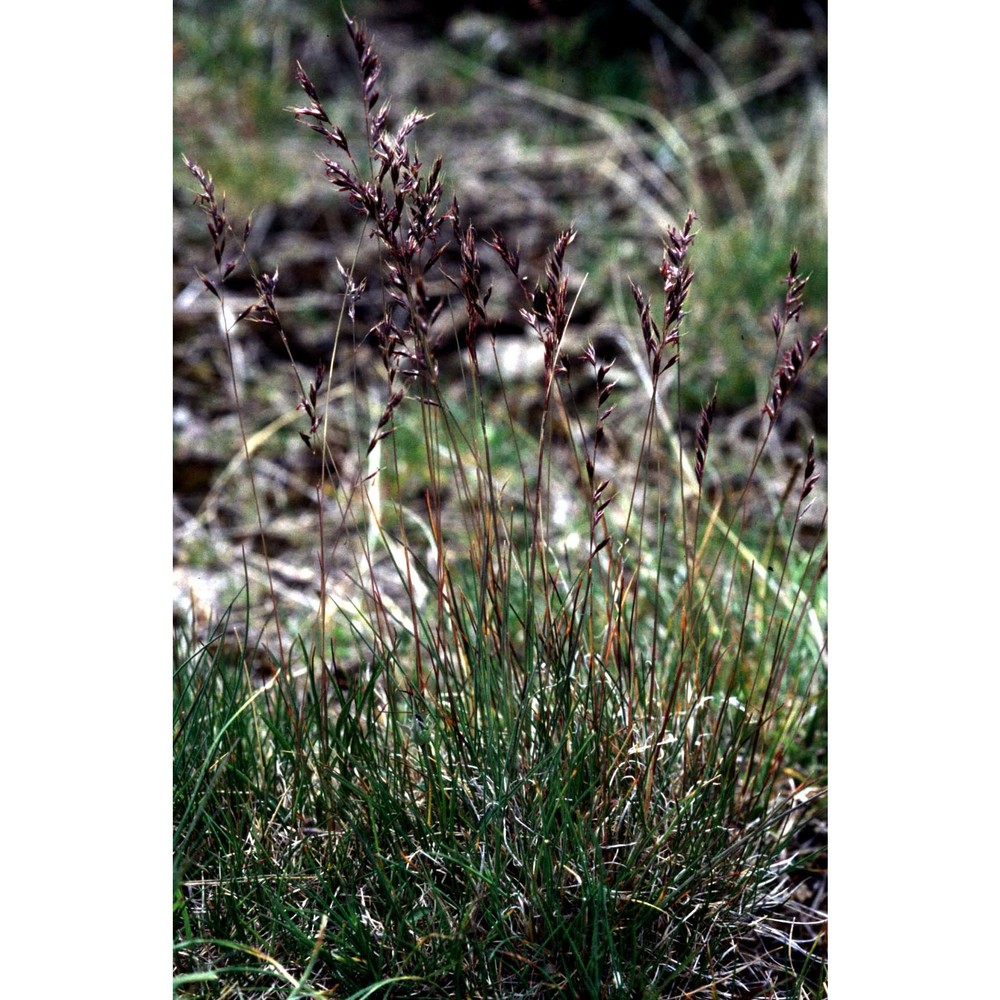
<point x="616" y="118"/>
<point x="719" y="107"/>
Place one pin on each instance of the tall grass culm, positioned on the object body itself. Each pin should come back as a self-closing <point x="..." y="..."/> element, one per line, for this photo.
<point x="559" y="729"/>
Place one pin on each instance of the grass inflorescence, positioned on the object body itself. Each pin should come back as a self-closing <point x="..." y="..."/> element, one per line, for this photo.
<point x="559" y="729"/>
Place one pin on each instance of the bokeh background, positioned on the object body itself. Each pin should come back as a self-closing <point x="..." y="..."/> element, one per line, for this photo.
<point x="616" y="118"/>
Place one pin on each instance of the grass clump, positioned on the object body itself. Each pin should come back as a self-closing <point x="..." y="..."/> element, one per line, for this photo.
<point x="559" y="728"/>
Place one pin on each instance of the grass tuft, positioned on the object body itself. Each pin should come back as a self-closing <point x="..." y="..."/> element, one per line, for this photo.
<point x="558" y="727"/>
